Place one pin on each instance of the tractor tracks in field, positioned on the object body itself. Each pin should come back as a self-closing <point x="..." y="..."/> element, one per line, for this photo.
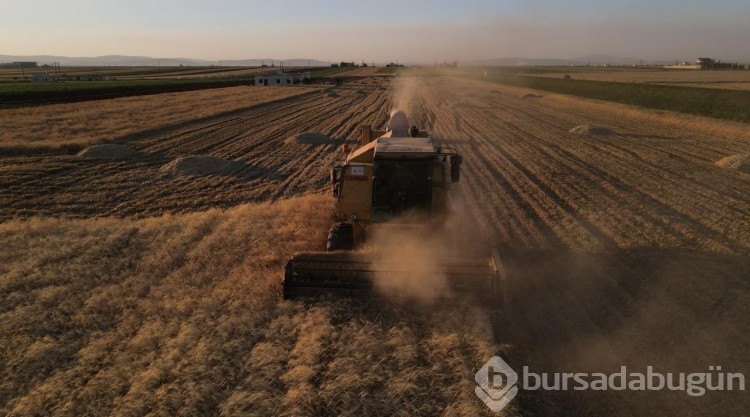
<point x="271" y="162"/>
<point x="565" y="176"/>
<point x="606" y="238"/>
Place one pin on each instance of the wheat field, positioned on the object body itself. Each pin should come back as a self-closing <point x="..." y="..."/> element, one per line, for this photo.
<point x="180" y="315"/>
<point x="128" y="289"/>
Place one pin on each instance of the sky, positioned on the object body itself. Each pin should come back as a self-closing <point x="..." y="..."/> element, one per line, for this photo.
<point x="411" y="31"/>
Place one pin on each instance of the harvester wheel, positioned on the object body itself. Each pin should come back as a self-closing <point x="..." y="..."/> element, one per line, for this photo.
<point x="340" y="237"/>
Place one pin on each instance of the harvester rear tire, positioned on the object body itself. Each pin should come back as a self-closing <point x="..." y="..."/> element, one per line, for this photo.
<point x="340" y="237"/>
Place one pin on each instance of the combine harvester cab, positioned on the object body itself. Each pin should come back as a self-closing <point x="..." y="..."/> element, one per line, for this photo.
<point x="396" y="180"/>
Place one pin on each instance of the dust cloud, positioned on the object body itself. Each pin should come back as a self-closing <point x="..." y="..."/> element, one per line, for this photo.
<point x="409" y="260"/>
<point x="634" y="307"/>
<point x="410" y="253"/>
<point x="404" y="89"/>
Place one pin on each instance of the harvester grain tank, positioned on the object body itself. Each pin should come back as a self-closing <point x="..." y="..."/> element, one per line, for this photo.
<point x="394" y="172"/>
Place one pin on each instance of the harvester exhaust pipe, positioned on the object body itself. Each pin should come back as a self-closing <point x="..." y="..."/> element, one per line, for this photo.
<point x="366" y="137"/>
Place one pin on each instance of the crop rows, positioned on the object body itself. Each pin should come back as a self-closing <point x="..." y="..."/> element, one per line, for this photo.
<point x="619" y="246"/>
<point x="181" y="316"/>
<point x="262" y="139"/>
<point x="628" y="249"/>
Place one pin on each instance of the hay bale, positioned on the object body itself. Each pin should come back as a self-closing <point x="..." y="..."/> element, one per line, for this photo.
<point x="312" y="138"/>
<point x="529" y="95"/>
<point x="591" y="130"/>
<point x="108" y="152"/>
<point x="201" y="165"/>
<point x="739" y="162"/>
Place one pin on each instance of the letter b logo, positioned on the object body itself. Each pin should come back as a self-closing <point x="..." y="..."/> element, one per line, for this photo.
<point x="496" y="383"/>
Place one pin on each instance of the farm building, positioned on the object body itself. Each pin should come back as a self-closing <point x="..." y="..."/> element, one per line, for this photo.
<point x="281" y="78"/>
<point x="39" y="78"/>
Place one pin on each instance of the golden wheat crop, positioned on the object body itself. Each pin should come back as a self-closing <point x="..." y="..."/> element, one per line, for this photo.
<point x="181" y="315"/>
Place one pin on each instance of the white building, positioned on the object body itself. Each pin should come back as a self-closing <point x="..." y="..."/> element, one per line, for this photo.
<point x="281" y="78"/>
<point x="39" y="78"/>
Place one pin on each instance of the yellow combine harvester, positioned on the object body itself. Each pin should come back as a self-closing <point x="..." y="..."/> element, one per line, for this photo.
<point x="395" y="176"/>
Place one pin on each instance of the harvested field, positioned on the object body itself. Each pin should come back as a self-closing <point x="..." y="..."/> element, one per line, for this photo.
<point x="256" y="137"/>
<point x="62" y="127"/>
<point x="127" y="290"/>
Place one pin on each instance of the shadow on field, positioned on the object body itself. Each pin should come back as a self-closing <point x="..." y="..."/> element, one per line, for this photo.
<point x="37" y="150"/>
<point x="677" y="310"/>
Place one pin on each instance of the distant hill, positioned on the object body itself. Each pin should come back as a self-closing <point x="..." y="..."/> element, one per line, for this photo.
<point x="298" y="62"/>
<point x="144" y="61"/>
<point x="584" y="60"/>
<point x="523" y="62"/>
<point x="618" y="60"/>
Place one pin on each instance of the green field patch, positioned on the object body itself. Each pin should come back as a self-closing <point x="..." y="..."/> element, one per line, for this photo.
<point x="718" y="103"/>
<point x="18" y="94"/>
